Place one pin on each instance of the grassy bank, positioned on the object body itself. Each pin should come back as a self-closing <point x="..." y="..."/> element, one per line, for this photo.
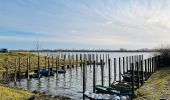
<point x="8" y="60"/>
<point x="7" y="93"/>
<point x="157" y="87"/>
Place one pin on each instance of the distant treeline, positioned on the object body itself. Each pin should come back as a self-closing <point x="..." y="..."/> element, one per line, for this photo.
<point x="85" y="50"/>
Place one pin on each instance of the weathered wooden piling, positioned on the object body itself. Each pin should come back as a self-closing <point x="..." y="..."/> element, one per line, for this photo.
<point x="102" y="72"/>
<point x="76" y="61"/>
<point x="115" y="69"/>
<point x="120" y="69"/>
<point x="94" y="76"/>
<point x="52" y="65"/>
<point x="123" y="65"/>
<point x="84" y="76"/>
<point x="27" y="68"/>
<point x="56" y="63"/>
<point x="29" y="63"/>
<point x="73" y="61"/>
<point x="19" y="67"/>
<point x="146" y="71"/>
<point x="133" y="80"/>
<point x="138" y="75"/>
<point x="109" y="65"/>
<point x="38" y="66"/>
<point x="130" y="61"/>
<point x="142" y="75"/>
<point x="48" y="66"/>
<point x="127" y="64"/>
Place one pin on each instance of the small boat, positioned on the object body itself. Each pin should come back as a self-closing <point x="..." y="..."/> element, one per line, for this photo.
<point x="100" y="96"/>
<point x="61" y="71"/>
<point x="34" y="75"/>
<point x="46" y="72"/>
<point x="106" y="90"/>
<point x="119" y="88"/>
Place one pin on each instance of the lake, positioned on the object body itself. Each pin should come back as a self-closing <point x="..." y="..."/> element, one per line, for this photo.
<point x="70" y="84"/>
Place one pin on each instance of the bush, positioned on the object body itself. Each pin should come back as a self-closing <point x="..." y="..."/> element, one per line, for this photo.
<point x="164" y="52"/>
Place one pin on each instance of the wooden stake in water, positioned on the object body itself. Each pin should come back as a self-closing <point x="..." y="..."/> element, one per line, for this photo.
<point x="84" y="77"/>
<point x="127" y="64"/>
<point x="94" y="76"/>
<point x="138" y="75"/>
<point x="38" y="66"/>
<point x="27" y="68"/>
<point x="102" y="72"/>
<point x="29" y="63"/>
<point x="123" y="64"/>
<point x="109" y="72"/>
<point x="48" y="66"/>
<point x="120" y="69"/>
<point x="76" y="61"/>
<point x="142" y="75"/>
<point x="133" y="80"/>
<point x="15" y="79"/>
<point x="52" y="62"/>
<point x="19" y="70"/>
<point x="115" y="69"/>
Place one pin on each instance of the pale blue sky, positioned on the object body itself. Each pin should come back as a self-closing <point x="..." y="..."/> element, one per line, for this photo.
<point x="84" y="24"/>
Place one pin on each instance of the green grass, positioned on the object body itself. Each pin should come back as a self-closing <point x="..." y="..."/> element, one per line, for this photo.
<point x="157" y="87"/>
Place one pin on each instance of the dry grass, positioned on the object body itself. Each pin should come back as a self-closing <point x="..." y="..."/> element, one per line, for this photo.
<point x="7" y="93"/>
<point x="157" y="87"/>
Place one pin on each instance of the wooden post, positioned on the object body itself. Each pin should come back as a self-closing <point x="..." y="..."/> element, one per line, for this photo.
<point x="130" y="63"/>
<point x="106" y="60"/>
<point x="102" y="70"/>
<point x="119" y="69"/>
<point x="109" y="71"/>
<point x="90" y="60"/>
<point x="48" y="66"/>
<point x="19" y="70"/>
<point x="127" y="64"/>
<point x="146" y="71"/>
<point x="153" y="66"/>
<point x="38" y="66"/>
<point x="138" y="76"/>
<point x="56" y="63"/>
<point x="73" y="61"/>
<point x="29" y="63"/>
<point x="115" y="69"/>
<point x="84" y="77"/>
<point x="123" y="65"/>
<point x="133" y="80"/>
<point x="52" y="62"/>
<point x="97" y="59"/>
<point x="148" y="68"/>
<point x="142" y="72"/>
<point x="94" y="76"/>
<point x="27" y="68"/>
<point x="76" y="61"/>
<point x="81" y="61"/>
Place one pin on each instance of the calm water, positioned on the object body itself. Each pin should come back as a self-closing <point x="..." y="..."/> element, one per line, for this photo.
<point x="70" y="84"/>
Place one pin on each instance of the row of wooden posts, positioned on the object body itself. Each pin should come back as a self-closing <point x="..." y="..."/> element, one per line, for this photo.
<point x="72" y="61"/>
<point x="142" y="68"/>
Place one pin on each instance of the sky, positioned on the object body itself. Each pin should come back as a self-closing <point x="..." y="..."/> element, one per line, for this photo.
<point x="84" y="24"/>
